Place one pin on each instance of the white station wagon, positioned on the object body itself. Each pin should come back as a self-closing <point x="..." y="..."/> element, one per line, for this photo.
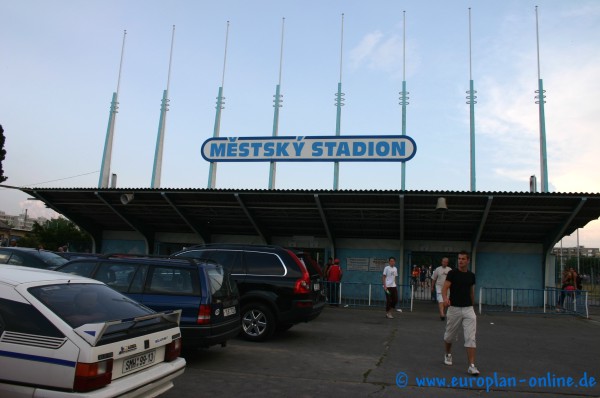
<point x="63" y="335"/>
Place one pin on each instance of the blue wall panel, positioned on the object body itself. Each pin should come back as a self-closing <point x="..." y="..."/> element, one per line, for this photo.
<point x="509" y="270"/>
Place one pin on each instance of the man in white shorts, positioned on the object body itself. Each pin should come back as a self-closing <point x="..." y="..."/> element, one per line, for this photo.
<point x="439" y="277"/>
<point x="460" y="283"/>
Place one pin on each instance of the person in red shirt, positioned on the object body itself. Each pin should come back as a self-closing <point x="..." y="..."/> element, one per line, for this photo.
<point x="334" y="276"/>
<point x="327" y="266"/>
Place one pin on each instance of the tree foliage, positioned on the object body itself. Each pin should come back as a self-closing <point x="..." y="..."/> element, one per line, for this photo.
<point x="55" y="233"/>
<point x="2" y="154"/>
<point x="587" y="265"/>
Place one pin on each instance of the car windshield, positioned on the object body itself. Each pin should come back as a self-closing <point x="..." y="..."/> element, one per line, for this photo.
<point x="81" y="303"/>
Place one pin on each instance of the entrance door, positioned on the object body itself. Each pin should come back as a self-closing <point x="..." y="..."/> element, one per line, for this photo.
<point x="425" y="263"/>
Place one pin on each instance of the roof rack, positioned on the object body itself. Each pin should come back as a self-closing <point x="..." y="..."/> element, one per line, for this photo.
<point x="209" y="245"/>
<point x="192" y="261"/>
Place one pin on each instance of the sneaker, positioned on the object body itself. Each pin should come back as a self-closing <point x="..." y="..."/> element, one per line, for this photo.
<point x="399" y="309"/>
<point x="448" y="359"/>
<point x="389" y="316"/>
<point x="473" y="370"/>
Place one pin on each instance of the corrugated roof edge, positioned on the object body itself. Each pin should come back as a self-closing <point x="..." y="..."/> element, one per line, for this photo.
<point x="329" y="191"/>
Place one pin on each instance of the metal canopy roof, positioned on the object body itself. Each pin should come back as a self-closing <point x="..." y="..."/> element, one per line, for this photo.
<point x="406" y="215"/>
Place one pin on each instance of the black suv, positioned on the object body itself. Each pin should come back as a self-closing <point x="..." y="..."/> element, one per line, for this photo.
<point x="203" y="290"/>
<point x="277" y="290"/>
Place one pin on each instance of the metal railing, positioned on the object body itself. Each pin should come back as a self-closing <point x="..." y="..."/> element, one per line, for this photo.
<point x="490" y="299"/>
<point x="548" y="300"/>
<point x="351" y="294"/>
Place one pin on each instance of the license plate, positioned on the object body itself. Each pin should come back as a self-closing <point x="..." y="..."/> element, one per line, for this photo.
<point x="316" y="287"/>
<point x="139" y="361"/>
<point x="228" y="311"/>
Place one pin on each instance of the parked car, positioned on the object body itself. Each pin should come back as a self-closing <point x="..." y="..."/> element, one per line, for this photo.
<point x="30" y="257"/>
<point x="277" y="290"/>
<point x="203" y="290"/>
<point x="69" y="336"/>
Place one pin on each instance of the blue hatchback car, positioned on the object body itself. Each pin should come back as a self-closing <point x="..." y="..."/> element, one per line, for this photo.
<point x="202" y="289"/>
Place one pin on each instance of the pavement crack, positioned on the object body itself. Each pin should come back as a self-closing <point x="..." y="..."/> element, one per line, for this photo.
<point x="386" y="348"/>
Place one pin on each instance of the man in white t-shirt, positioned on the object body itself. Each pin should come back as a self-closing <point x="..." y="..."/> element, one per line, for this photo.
<point x="390" y="273"/>
<point x="439" y="277"/>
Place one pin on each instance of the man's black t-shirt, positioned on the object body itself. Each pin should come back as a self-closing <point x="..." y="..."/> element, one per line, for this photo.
<point x="460" y="288"/>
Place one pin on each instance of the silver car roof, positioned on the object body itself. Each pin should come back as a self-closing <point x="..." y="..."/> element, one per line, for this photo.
<point x="15" y="275"/>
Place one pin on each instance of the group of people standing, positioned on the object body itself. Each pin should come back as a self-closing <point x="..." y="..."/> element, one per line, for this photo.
<point x="420" y="276"/>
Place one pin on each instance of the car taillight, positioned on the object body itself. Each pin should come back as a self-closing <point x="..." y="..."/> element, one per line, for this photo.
<point x="92" y="376"/>
<point x="203" y="314"/>
<point x="302" y="285"/>
<point x="173" y="350"/>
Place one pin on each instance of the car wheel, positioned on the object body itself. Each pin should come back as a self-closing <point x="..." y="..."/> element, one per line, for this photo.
<point x="258" y="322"/>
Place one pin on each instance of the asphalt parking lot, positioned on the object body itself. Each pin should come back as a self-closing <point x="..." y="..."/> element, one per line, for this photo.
<point x="359" y="353"/>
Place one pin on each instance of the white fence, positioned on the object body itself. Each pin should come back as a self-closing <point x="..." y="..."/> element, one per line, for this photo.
<point x="489" y="299"/>
<point x="548" y="300"/>
<point x="365" y="295"/>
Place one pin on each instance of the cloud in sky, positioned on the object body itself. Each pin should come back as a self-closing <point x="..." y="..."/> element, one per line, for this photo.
<point x="379" y="52"/>
<point x="385" y="53"/>
<point x="35" y="209"/>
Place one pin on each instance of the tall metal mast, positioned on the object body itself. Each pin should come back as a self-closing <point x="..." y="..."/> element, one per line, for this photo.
<point x="212" y="172"/>
<point x="157" y="169"/>
<point x="540" y="100"/>
<point x="277" y="104"/>
<point x="471" y="101"/>
<point x="339" y="102"/>
<point x="403" y="95"/>
<point x="103" y="181"/>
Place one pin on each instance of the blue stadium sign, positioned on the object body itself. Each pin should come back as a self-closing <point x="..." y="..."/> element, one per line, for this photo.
<point x="359" y="148"/>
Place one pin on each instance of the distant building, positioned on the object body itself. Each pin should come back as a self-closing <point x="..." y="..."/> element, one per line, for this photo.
<point x="22" y="221"/>
<point x="572" y="251"/>
<point x="15" y="227"/>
